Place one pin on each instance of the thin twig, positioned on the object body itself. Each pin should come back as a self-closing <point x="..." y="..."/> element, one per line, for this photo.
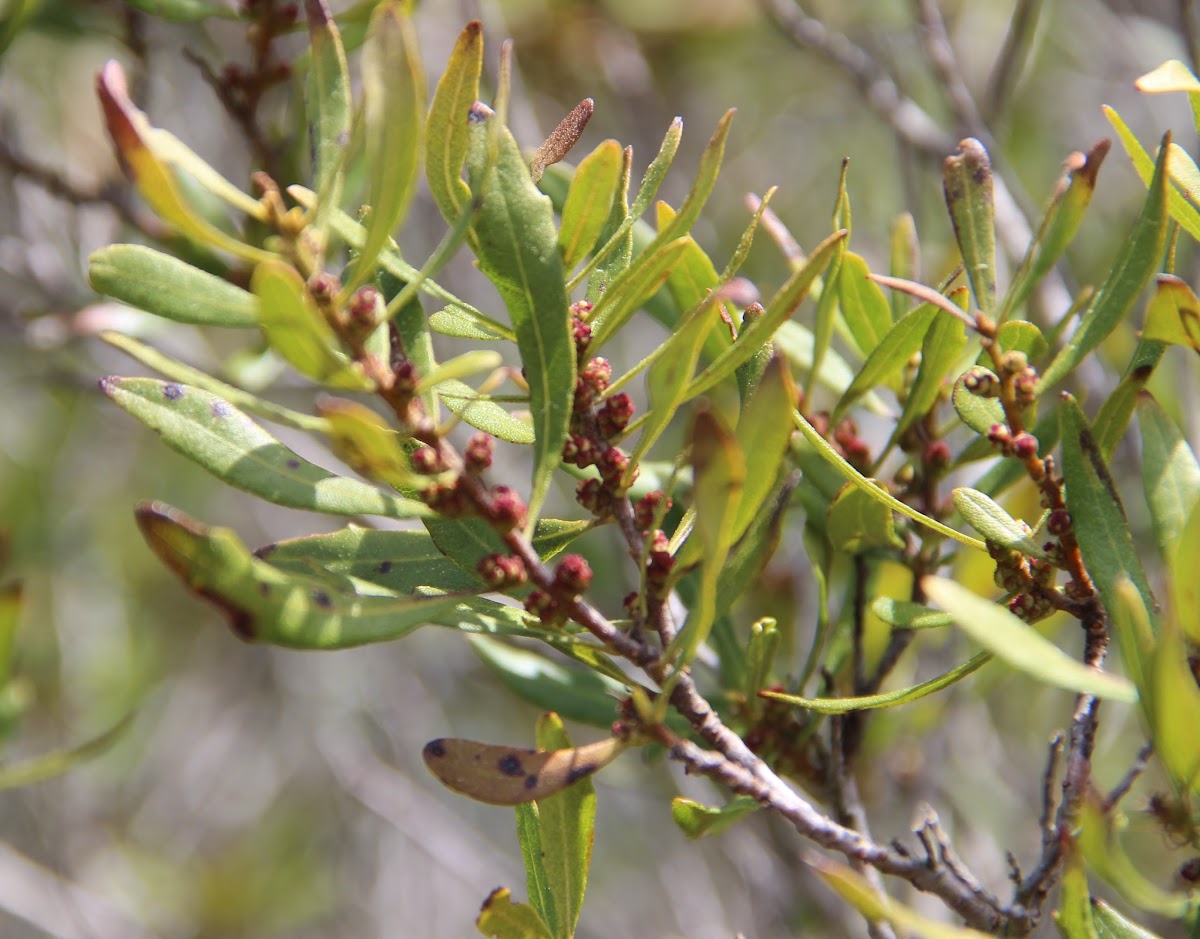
<point x="1121" y="789"/>
<point x="1021" y="27"/>
<point x="940" y="53"/>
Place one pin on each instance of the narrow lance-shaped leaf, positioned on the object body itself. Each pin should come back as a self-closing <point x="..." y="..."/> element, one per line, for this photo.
<point x="886" y="699"/>
<point x="211" y="432"/>
<point x="517" y="245"/>
<point x="1170" y="473"/>
<point x="1020" y="645"/>
<point x="967" y="181"/>
<point x="266" y="604"/>
<point x="1112" y="925"/>
<point x="589" y="202"/>
<point x="328" y="103"/>
<point x="1175" y="693"/>
<point x="1181" y="210"/>
<point x="1097" y="515"/>
<point x="446" y="128"/>
<point x="170" y="288"/>
<point x="616" y="238"/>
<point x="697" y="821"/>
<point x="503" y="775"/>
<point x="865" y="308"/>
<point x="529" y="837"/>
<point x="763" y="432"/>
<point x="905" y="259"/>
<point x="778" y="310"/>
<point x="988" y="518"/>
<point x="1129" y="275"/>
<point x="1068" y="203"/>
<point x="500" y="918"/>
<point x="1074" y="914"/>
<point x="567" y="821"/>
<point x="1172" y="76"/>
<point x="706" y="177"/>
<point x="856" y="522"/>
<point x="393" y="125"/>
<point x="719" y="471"/>
<point x="941" y="350"/>
<point x="1185" y="590"/>
<point x="131" y="134"/>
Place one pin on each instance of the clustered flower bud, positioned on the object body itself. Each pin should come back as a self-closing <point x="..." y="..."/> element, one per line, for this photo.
<point x="502" y="571"/>
<point x="660" y="561"/>
<point x="405" y="377"/>
<point x="581" y="331"/>
<point x="646" y="507"/>
<point x="579" y="450"/>
<point x="1030" y="607"/>
<point x="323" y="287"/>
<point x="425" y="460"/>
<point x="591" y="383"/>
<point x="447" y="499"/>
<point x="982" y="383"/>
<point x="478" y="455"/>
<point x="542" y="605"/>
<point x="1059" y="522"/>
<point x="364" y="312"/>
<point x="508" y="509"/>
<point x="573" y="576"/>
<point x="1023" y="446"/>
<point x="937" y="456"/>
<point x="614" y="415"/>
<point x="594" y="496"/>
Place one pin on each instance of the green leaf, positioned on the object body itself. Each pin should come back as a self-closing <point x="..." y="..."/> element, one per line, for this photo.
<point x="858" y="522"/>
<point x="941" y="350"/>
<point x="501" y="775"/>
<point x="529" y="837"/>
<point x="1170" y="473"/>
<point x="447" y="127"/>
<point x="1172" y="76"/>
<point x="589" y="202"/>
<point x="51" y="765"/>
<point x="328" y="105"/>
<point x="266" y="604"/>
<point x="184" y="11"/>
<point x="778" y="310"/>
<point x="454" y="321"/>
<point x="11" y="604"/>
<point x="634" y="287"/>
<point x="393" y="124"/>
<point x="905" y="259"/>
<point x="1129" y="275"/>
<point x="763" y="433"/>
<point x="616" y="238"/>
<point x="1135" y="640"/>
<point x="295" y="328"/>
<point x="838" y="462"/>
<point x="567" y="821"/>
<point x="1112" y="925"/>
<point x="696" y="820"/>
<point x="990" y="520"/>
<point x="500" y="918"/>
<point x="1059" y="224"/>
<point x="605" y="324"/>
<point x="484" y="414"/>
<point x="1074" y="914"/>
<point x="211" y="432"/>
<point x="905" y="615"/>
<point x="170" y="288"/>
<point x="719" y="471"/>
<point x="967" y="182"/>
<point x="690" y="282"/>
<point x="1173" y="314"/>
<point x="1185" y="589"/>
<point x="888" y="698"/>
<point x="761" y="651"/>
<point x="1020" y="645"/>
<point x="902" y="341"/>
<point x="185" y="374"/>
<point x="517" y="246"/>
<point x="1021" y="336"/>
<point x="1175" y="700"/>
<point x="795" y="343"/>
<point x="865" y="307"/>
<point x="1097" y="515"/>
<point x="1181" y="210"/>
<point x="575" y="693"/>
<point x="362" y="440"/>
<point x="852" y="887"/>
<point x="1112" y="420"/>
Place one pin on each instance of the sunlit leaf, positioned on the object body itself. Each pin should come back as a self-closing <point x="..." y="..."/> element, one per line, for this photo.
<point x="1175" y="698"/>
<point x="500" y="918"/>
<point x="905" y="615"/>
<point x="1074" y="914"/>
<point x="989" y="519"/>
<point x="328" y="105"/>
<point x="447" y="129"/>
<point x="941" y="350"/>
<point x="211" y="432"/>
<point x="1112" y="420"/>
<point x="517" y="246"/>
<point x="1020" y="645"/>
<point x="977" y="412"/>
<point x="1129" y="274"/>
<point x="696" y="820"/>
<point x="865" y="307"/>
<point x="1173" y="314"/>
<point x="858" y="522"/>
<point x="393" y="124"/>
<point x="364" y="442"/>
<point x="1181" y="210"/>
<point x="888" y="698"/>
<point x="484" y="414"/>
<point x="1185" y="589"/>
<point x="1112" y="925"/>
<point x="589" y="202"/>
<point x="1170" y="473"/>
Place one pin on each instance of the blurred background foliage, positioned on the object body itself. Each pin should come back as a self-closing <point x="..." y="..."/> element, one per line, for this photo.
<point x="261" y="792"/>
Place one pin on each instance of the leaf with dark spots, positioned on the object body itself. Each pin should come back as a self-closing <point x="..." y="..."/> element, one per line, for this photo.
<point x="503" y="775"/>
<point x="238" y="451"/>
<point x="265" y="604"/>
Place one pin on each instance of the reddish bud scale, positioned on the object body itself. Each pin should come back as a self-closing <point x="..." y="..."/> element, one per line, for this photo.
<point x="1059" y="522"/>
<point x="1024" y="446"/>
<point x="614" y="416"/>
<point x="573" y="575"/>
<point x="323" y="287"/>
<point x="579" y="450"/>
<point x="405" y="377"/>
<point x="646" y="507"/>
<point x="425" y="460"/>
<point x="595" y="497"/>
<point x="612" y="464"/>
<point x="937" y="456"/>
<point x="545" y="608"/>
<point x="502" y="571"/>
<point x="478" y="454"/>
<point x="508" y="510"/>
<point x="446" y="499"/>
